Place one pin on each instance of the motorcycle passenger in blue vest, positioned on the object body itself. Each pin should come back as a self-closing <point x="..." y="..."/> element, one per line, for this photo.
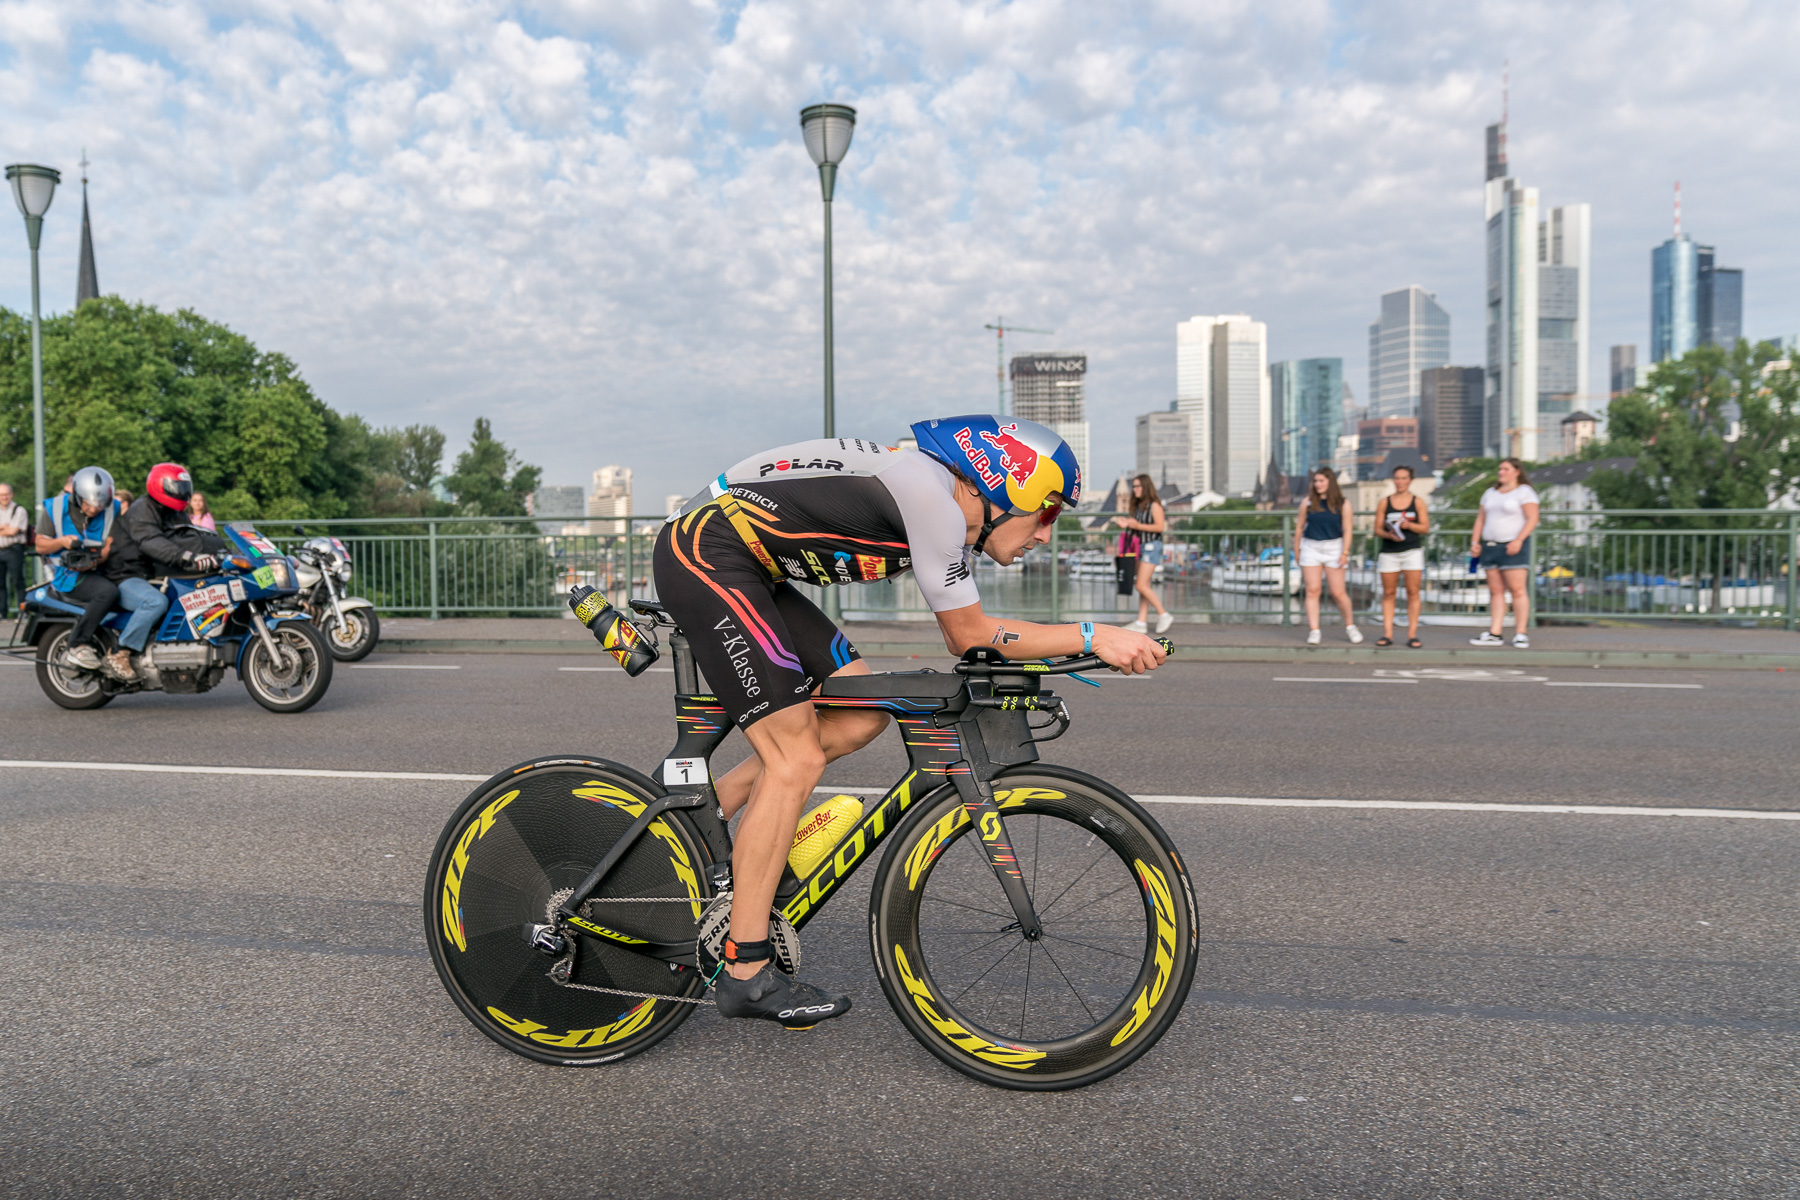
<point x="75" y="529"/>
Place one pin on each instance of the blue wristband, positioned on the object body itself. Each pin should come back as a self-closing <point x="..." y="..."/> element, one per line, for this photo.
<point x="1087" y="637"/>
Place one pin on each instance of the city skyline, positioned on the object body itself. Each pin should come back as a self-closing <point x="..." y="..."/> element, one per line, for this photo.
<point x="583" y="222"/>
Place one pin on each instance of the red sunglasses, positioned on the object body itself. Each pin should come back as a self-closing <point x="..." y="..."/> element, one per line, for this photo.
<point x="1052" y="509"/>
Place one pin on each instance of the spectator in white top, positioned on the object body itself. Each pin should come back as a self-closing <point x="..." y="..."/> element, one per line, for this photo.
<point x="1502" y="542"/>
<point x="15" y="523"/>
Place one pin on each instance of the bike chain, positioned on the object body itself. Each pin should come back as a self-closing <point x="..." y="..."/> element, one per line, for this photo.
<point x="556" y="901"/>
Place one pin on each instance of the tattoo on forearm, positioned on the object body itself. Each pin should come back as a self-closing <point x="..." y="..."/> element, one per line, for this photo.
<point x="1003" y="637"/>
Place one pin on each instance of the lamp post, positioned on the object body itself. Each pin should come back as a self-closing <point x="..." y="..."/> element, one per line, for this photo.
<point x="827" y="129"/>
<point x="33" y="187"/>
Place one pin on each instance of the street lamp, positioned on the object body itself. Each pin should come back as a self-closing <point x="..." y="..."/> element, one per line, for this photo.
<point x="34" y="187"/>
<point x="827" y="129"/>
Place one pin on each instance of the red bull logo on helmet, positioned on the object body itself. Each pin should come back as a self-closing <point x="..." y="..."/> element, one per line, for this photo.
<point x="978" y="459"/>
<point x="1016" y="458"/>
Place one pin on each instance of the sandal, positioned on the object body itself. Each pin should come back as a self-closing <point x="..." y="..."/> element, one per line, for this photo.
<point x="1414" y="643"/>
<point x="1384" y="641"/>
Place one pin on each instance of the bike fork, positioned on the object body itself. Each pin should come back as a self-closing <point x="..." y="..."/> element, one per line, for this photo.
<point x="978" y="800"/>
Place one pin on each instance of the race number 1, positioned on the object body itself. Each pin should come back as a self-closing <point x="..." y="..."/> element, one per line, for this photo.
<point x="684" y="770"/>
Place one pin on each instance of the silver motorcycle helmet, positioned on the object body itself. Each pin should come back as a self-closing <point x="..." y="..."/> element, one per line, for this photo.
<point x="93" y="485"/>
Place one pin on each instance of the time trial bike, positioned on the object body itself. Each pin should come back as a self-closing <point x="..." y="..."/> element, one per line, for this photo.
<point x="1032" y="926"/>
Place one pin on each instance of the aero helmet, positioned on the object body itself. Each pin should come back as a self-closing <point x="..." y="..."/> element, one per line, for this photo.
<point x="1015" y="464"/>
<point x="170" y="485"/>
<point x="93" y="485"/>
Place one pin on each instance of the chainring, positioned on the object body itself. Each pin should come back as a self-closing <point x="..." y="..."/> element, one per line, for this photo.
<point x="709" y="946"/>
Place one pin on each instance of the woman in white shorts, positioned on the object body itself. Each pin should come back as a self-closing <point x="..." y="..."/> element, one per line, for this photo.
<point x="1400" y="522"/>
<point x="1322" y="532"/>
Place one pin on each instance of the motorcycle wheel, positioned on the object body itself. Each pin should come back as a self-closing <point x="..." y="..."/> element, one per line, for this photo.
<point x="354" y="638"/>
<point x="67" y="687"/>
<point x="295" y="684"/>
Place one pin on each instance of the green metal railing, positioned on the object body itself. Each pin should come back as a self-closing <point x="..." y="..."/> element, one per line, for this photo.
<point x="1736" y="565"/>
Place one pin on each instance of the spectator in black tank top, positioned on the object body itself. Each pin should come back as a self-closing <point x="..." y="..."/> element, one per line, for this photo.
<point x="1321" y="538"/>
<point x="1400" y="522"/>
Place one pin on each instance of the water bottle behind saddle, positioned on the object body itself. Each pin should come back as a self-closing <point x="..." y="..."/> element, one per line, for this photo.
<point x="616" y="635"/>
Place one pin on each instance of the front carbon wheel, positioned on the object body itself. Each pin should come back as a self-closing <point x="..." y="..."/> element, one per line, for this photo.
<point x="510" y="855"/>
<point x="1105" y="980"/>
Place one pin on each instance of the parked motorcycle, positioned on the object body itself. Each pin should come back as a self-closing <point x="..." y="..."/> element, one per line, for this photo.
<point x="231" y="618"/>
<point x="349" y="623"/>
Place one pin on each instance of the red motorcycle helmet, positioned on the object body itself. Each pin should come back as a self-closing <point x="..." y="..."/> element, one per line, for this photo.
<point x="170" y="485"/>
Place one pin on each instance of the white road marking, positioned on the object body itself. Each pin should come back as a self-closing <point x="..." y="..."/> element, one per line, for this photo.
<point x="183" y="769"/>
<point x="402" y="667"/>
<point x="1595" y="810"/>
<point x="1560" y="683"/>
<point x="1319" y="679"/>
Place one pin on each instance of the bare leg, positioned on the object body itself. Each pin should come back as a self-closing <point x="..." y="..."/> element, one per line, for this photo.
<point x="1415" y="580"/>
<point x="1340" y="594"/>
<point x="1496" y="602"/>
<point x="1517" y="584"/>
<point x="1147" y="594"/>
<point x="1390" y="580"/>
<point x="841" y="731"/>
<point x="1312" y="576"/>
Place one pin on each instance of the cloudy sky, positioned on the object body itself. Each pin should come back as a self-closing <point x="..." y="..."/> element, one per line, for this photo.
<point x="594" y="221"/>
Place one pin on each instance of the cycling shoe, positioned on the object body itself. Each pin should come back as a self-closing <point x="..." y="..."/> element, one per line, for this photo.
<point x="772" y="996"/>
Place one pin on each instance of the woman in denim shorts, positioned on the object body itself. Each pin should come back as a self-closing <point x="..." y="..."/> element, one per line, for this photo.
<point x="1502" y="540"/>
<point x="1148" y="520"/>
<point x="1322" y="534"/>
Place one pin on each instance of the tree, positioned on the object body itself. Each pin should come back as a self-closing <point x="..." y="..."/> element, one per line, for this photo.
<point x="1716" y="428"/>
<point x="488" y="480"/>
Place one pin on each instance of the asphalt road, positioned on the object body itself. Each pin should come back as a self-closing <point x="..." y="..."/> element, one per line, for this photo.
<point x="216" y="985"/>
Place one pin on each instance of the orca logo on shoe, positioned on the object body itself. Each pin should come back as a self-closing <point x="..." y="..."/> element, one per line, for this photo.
<point x="815" y="1010"/>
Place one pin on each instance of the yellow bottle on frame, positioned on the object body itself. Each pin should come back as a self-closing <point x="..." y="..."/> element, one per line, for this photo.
<point x="821" y="830"/>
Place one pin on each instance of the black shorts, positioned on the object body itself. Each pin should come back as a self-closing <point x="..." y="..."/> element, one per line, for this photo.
<point x="761" y="645"/>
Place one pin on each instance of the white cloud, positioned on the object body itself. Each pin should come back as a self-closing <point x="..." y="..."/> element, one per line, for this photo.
<point x="592" y="220"/>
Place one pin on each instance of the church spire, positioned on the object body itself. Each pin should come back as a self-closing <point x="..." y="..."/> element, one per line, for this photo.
<point x="87" y="285"/>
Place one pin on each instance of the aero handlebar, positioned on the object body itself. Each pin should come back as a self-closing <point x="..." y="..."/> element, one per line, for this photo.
<point x="985" y="661"/>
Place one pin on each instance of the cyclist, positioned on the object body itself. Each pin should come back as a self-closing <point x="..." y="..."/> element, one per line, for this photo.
<point x="846" y="510"/>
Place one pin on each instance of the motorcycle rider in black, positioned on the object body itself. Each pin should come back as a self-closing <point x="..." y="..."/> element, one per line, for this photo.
<point x="154" y="537"/>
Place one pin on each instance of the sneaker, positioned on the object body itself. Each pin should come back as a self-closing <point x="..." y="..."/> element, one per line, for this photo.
<point x="120" y="662"/>
<point x="85" y="657"/>
<point x="1312" y="639"/>
<point x="1521" y="642"/>
<point x="1488" y="638"/>
<point x="1137" y="627"/>
<point x="1354" y="634"/>
<point x="771" y="996"/>
<point x="1163" y="622"/>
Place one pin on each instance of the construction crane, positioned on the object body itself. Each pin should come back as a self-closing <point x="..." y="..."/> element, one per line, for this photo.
<point x="1000" y="327"/>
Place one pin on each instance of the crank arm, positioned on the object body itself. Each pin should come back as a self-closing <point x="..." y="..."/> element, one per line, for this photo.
<point x="627" y="840"/>
<point x="984" y="814"/>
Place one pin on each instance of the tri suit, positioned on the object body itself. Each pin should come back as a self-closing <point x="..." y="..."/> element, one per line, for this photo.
<point x="829" y="511"/>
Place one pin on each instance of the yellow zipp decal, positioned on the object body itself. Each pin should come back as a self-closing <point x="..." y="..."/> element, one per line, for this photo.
<point x="607" y="793"/>
<point x="1158" y="888"/>
<point x="580" y="1039"/>
<point x="451" y="905"/>
<point x="925" y="850"/>
<point x="1016" y="1057"/>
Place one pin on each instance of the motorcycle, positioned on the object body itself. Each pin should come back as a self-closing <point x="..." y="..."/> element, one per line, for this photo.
<point x="349" y="623"/>
<point x="231" y="618"/>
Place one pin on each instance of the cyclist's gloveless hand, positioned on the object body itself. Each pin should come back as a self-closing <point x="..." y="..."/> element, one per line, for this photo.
<point x="1125" y="651"/>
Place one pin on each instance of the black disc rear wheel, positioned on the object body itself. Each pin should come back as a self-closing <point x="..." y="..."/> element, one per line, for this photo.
<point x="1103" y="982"/>
<point x="511" y="854"/>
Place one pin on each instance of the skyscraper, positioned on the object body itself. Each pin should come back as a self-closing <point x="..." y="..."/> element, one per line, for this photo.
<point x="1411" y="334"/>
<point x="1164" y="452"/>
<point x="1674" y="298"/>
<point x="1239" y="420"/>
<point x="1725" y="307"/>
<point x="1306" y="397"/>
<point x="1537" y="308"/>
<point x="1193" y="393"/>
<point x="1051" y="390"/>
<point x="611" y="497"/>
<point x="1624" y="369"/>
<point x="1450" y="410"/>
